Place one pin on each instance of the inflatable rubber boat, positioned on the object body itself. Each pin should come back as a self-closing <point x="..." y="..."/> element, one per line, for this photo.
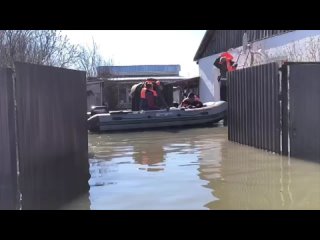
<point x="211" y="112"/>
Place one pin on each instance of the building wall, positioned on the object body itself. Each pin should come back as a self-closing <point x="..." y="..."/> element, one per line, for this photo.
<point x="94" y="95"/>
<point x="215" y="41"/>
<point x="209" y="86"/>
<point x="176" y="95"/>
<point x="117" y="95"/>
<point x="124" y="99"/>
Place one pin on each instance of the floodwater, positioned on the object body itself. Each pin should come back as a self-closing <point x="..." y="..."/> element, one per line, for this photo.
<point x="195" y="168"/>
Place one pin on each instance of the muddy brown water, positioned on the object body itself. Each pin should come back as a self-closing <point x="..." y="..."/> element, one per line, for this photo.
<point x="194" y="168"/>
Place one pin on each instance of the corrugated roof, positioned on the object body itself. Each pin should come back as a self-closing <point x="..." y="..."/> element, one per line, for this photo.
<point x="139" y="70"/>
<point x="145" y="78"/>
<point x="216" y="41"/>
<point x="141" y="79"/>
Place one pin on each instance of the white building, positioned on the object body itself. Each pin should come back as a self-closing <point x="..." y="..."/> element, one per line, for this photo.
<point x="264" y="46"/>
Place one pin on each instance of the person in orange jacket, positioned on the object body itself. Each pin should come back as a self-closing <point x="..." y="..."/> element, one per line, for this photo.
<point x="148" y="97"/>
<point x="225" y="64"/>
<point x="138" y="95"/>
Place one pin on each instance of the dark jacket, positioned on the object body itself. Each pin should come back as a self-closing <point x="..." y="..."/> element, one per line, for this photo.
<point x="223" y="67"/>
<point x="191" y="104"/>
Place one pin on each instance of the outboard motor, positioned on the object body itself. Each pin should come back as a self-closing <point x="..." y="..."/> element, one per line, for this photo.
<point x="98" y="109"/>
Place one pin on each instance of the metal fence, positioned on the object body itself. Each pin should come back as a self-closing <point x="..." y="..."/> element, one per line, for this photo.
<point x="303" y="111"/>
<point x="275" y="108"/>
<point x="8" y="169"/>
<point x="254" y="107"/>
<point x="51" y="129"/>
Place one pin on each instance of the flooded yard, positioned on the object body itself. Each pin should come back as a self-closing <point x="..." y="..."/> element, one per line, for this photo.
<point x="195" y="169"/>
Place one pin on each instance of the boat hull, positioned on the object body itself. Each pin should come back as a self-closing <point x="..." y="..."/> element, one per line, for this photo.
<point x="175" y="117"/>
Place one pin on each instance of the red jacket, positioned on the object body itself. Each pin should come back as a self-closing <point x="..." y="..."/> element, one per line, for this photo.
<point x="225" y="66"/>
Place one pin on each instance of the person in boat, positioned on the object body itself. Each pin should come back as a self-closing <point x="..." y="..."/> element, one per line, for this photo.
<point x="225" y="64"/>
<point x="148" y="97"/>
<point x="137" y="96"/>
<point x="192" y="101"/>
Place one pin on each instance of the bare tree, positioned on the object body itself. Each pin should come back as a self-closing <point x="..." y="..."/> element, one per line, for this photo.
<point x="90" y="59"/>
<point x="48" y="47"/>
<point x="307" y="50"/>
<point x="45" y="47"/>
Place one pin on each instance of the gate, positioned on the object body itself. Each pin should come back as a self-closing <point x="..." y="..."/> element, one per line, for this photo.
<point x="275" y="107"/>
<point x="304" y="110"/>
<point x="254" y="107"/>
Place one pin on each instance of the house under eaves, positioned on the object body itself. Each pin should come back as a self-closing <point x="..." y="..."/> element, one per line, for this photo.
<point x="264" y="46"/>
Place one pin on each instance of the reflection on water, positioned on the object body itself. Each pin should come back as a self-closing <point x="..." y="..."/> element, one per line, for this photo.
<point x="248" y="178"/>
<point x="196" y="169"/>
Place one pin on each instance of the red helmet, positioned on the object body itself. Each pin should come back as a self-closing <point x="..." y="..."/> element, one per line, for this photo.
<point x="227" y="55"/>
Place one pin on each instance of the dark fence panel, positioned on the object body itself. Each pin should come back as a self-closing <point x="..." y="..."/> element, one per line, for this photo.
<point x="254" y="107"/>
<point x="284" y="109"/>
<point x="304" y="110"/>
<point x="52" y="135"/>
<point x="276" y="108"/>
<point x="8" y="161"/>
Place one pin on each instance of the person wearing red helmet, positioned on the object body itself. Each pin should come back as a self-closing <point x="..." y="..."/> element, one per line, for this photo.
<point x="225" y="64"/>
<point x="147" y="95"/>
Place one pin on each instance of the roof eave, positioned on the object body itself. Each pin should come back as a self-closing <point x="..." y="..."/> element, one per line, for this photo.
<point x="205" y="39"/>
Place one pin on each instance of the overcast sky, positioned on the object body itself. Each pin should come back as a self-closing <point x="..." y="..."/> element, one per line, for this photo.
<point x="145" y="47"/>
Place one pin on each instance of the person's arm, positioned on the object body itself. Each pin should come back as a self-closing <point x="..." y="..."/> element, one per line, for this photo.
<point x="217" y="63"/>
<point x="234" y="65"/>
<point x="184" y="103"/>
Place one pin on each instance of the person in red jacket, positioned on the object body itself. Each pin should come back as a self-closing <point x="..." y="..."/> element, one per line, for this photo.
<point x="192" y="101"/>
<point x="225" y="64"/>
<point x="138" y="95"/>
<point x="148" y="97"/>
